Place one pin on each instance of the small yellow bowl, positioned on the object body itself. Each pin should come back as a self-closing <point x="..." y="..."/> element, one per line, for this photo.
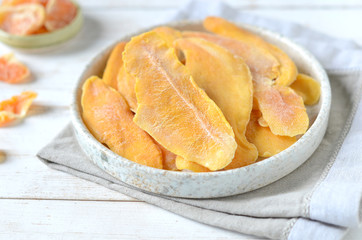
<point x="45" y="39"/>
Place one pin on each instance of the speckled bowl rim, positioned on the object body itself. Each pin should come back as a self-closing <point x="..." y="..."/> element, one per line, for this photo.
<point x="322" y="114"/>
<point x="45" y="39"/>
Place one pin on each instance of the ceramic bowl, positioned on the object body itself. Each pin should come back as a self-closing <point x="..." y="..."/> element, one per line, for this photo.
<point x="212" y="184"/>
<point x="46" y="39"/>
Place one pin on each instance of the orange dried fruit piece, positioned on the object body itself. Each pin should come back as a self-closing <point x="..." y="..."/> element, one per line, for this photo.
<point x="173" y="109"/>
<point x="59" y="13"/>
<point x="226" y="79"/>
<point x="12" y="70"/>
<point x="282" y="109"/>
<point x="18" y="2"/>
<point x="257" y="60"/>
<point x="15" y="108"/>
<point x="109" y="119"/>
<point x="168" y="34"/>
<point x="183" y="164"/>
<point x="168" y="157"/>
<point x="288" y="70"/>
<point x="23" y="19"/>
<point x="308" y="88"/>
<point x="113" y="66"/>
<point x="2" y="157"/>
<point x="267" y="143"/>
<point x="126" y="86"/>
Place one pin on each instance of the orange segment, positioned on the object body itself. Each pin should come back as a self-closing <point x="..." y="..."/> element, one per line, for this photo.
<point x="23" y="19"/>
<point x="18" y="2"/>
<point x="15" y="108"/>
<point x="257" y="60"/>
<point x="109" y="119"/>
<point x="173" y="109"/>
<point x="308" y="88"/>
<point x="288" y="70"/>
<point x="59" y="14"/>
<point x="267" y="143"/>
<point x="226" y="79"/>
<point x="282" y="109"/>
<point x="113" y="66"/>
<point x="13" y="71"/>
<point x="183" y="164"/>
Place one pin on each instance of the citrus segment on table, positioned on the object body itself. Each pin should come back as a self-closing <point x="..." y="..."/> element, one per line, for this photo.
<point x="183" y="164"/>
<point x="282" y="109"/>
<point x="15" y="108"/>
<point x="226" y="79"/>
<point x="173" y="109"/>
<point x="267" y="143"/>
<point x="114" y="64"/>
<point x="109" y="119"/>
<point x="256" y="59"/>
<point x="287" y="71"/>
<point x="18" y="2"/>
<point x="308" y="88"/>
<point x="59" y="13"/>
<point x="23" y="19"/>
<point x="12" y="70"/>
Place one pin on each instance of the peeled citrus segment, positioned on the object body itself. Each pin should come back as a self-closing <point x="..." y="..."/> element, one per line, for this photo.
<point x="15" y="108"/>
<point x="109" y="119"/>
<point x="173" y="109"/>
<point x="257" y="59"/>
<point x="183" y="164"/>
<point x="59" y="13"/>
<point x="226" y="79"/>
<point x="308" y="88"/>
<point x="114" y="65"/>
<point x="18" y="2"/>
<point x="126" y="86"/>
<point x="267" y="143"/>
<point x="282" y="109"/>
<point x="13" y="71"/>
<point x="23" y="19"/>
<point x="288" y="70"/>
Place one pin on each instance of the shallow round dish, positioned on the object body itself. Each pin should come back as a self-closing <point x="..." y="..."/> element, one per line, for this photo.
<point x="45" y="39"/>
<point x="212" y="184"/>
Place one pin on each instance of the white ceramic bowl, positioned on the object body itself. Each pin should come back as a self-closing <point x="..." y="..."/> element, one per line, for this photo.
<point x="212" y="184"/>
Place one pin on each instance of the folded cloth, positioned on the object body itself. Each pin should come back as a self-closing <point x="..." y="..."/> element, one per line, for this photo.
<point x="319" y="200"/>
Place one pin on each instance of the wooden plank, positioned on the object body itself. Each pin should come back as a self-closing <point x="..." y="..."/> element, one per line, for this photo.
<point x="250" y="4"/>
<point x="26" y="177"/>
<point x="33" y="219"/>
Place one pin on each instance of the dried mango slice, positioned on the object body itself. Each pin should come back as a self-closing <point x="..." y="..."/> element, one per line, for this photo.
<point x="226" y="79"/>
<point x="168" y="34"/>
<point x="126" y="86"/>
<point x="258" y="62"/>
<point x="114" y="64"/>
<point x="288" y="70"/>
<point x="109" y="119"/>
<point x="267" y="143"/>
<point x="12" y="70"/>
<point x="183" y="164"/>
<point x="173" y="109"/>
<point x="59" y="13"/>
<point x="308" y="88"/>
<point x="282" y="109"/>
<point x="169" y="158"/>
<point x="2" y="157"/>
<point x="18" y="2"/>
<point x="23" y="19"/>
<point x="15" y="108"/>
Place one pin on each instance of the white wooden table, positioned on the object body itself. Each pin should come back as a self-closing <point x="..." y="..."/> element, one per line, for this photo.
<point x="40" y="203"/>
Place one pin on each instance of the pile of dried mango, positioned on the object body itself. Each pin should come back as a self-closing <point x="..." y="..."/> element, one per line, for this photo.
<point x="27" y="17"/>
<point x="198" y="101"/>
